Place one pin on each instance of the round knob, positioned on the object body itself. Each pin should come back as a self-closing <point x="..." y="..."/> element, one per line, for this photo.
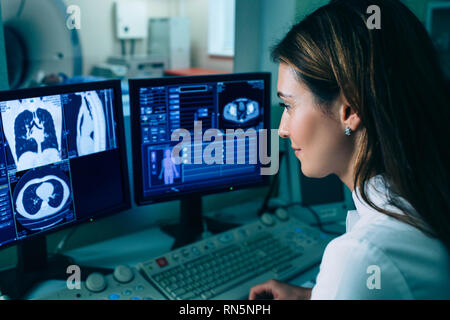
<point x="267" y="219"/>
<point x="3" y="297"/>
<point x="282" y="214"/>
<point x="95" y="282"/>
<point x="123" y="274"/>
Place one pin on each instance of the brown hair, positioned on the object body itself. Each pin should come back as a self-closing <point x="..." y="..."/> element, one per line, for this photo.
<point x="392" y="78"/>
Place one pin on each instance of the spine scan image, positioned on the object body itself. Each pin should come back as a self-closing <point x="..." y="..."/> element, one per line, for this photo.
<point x="91" y="125"/>
<point x="33" y="130"/>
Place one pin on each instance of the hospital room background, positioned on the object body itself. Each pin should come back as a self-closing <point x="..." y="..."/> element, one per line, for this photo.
<point x="52" y="41"/>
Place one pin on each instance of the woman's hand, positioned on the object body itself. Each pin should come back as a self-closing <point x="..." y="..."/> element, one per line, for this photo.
<point x="277" y="290"/>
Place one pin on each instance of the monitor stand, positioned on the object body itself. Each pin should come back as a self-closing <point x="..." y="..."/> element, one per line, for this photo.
<point x="35" y="265"/>
<point x="192" y="222"/>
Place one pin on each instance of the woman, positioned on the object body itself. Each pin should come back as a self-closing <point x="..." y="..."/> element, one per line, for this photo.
<point x="370" y="105"/>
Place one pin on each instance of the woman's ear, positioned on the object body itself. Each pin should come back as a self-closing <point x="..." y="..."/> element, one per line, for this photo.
<point x="348" y="115"/>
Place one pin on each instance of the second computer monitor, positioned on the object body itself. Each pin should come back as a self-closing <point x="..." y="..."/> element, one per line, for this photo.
<point x="198" y="135"/>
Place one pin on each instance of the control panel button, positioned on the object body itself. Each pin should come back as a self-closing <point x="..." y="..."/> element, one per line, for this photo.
<point x="123" y="274"/>
<point x="282" y="214"/>
<point x="175" y="256"/>
<point x="114" y="296"/>
<point x="95" y="282"/>
<point x="127" y="292"/>
<point x="162" y="262"/>
<point x="185" y="253"/>
<point x="225" y="238"/>
<point x="267" y="219"/>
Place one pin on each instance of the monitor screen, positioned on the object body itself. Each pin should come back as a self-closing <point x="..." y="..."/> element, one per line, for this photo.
<point x="198" y="135"/>
<point x="62" y="158"/>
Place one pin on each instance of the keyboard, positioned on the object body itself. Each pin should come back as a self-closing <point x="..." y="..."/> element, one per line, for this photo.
<point x="227" y="265"/>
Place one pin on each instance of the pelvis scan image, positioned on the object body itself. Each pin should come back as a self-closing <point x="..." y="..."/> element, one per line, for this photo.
<point x="241" y="110"/>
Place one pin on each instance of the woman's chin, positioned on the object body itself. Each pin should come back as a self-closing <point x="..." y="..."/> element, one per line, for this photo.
<point x="317" y="174"/>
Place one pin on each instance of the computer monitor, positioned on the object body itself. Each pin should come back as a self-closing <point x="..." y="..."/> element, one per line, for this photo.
<point x="173" y="121"/>
<point x="62" y="162"/>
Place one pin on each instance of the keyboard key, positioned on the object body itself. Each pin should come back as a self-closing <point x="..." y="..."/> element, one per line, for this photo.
<point x="187" y="296"/>
<point x="206" y="295"/>
<point x="180" y="291"/>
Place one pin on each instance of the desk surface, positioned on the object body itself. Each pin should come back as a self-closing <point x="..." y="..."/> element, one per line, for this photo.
<point x="135" y="248"/>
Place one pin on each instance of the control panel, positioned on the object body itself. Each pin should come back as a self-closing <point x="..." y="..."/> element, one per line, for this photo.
<point x="125" y="283"/>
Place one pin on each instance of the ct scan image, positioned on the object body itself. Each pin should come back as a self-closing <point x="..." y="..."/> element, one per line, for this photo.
<point x="42" y="198"/>
<point x="89" y="123"/>
<point x="240" y="105"/>
<point x="33" y="131"/>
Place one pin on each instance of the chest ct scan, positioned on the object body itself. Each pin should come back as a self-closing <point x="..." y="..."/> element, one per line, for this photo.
<point x="33" y="130"/>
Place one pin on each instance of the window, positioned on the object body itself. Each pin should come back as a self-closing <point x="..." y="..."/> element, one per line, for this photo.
<point x="221" y="25"/>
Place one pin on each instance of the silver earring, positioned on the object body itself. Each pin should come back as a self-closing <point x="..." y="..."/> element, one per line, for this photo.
<point x="348" y="131"/>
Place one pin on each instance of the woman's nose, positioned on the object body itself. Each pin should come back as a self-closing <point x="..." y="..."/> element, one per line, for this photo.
<point x="283" y="131"/>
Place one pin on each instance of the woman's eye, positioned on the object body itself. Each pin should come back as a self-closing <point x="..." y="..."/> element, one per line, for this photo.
<point x="285" y="106"/>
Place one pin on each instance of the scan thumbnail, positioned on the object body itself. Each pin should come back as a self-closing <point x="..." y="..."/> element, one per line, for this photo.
<point x="42" y="198"/>
<point x="33" y="131"/>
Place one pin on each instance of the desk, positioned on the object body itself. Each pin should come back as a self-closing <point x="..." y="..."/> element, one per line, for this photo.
<point x="141" y="246"/>
<point x="131" y="250"/>
<point x="193" y="72"/>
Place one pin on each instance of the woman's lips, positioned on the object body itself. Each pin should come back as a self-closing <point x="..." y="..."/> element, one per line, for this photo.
<point x="297" y="151"/>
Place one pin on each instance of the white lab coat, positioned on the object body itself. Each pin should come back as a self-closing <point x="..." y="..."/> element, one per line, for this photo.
<point x="380" y="257"/>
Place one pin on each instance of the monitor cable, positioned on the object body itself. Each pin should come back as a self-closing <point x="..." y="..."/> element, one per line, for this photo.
<point x="319" y="222"/>
<point x="265" y="205"/>
<point x="63" y="241"/>
<point x="273" y="184"/>
<point x="20" y="10"/>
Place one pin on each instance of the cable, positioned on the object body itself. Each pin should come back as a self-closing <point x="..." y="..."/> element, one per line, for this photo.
<point x="271" y="189"/>
<point x="63" y="241"/>
<point x="133" y="45"/>
<point x="315" y="215"/>
<point x="20" y="10"/>
<point x="123" y="47"/>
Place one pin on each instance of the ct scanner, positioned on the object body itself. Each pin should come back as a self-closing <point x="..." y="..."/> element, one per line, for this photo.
<point x="38" y="41"/>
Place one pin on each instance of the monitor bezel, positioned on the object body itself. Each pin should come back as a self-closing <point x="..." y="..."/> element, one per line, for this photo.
<point x="136" y="84"/>
<point x="71" y="88"/>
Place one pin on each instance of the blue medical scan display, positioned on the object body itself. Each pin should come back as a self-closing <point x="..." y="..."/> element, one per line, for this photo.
<point x="228" y="102"/>
<point x="50" y="148"/>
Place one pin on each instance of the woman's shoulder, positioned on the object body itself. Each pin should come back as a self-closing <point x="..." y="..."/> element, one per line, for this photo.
<point x="386" y="232"/>
<point x="410" y="266"/>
